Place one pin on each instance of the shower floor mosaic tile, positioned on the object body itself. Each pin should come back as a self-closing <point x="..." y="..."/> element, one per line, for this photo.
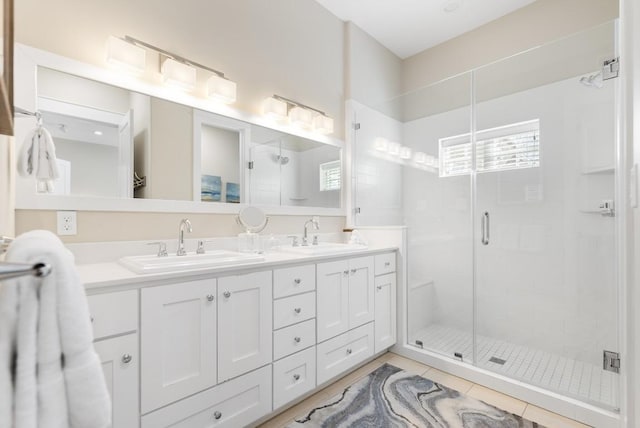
<point x="577" y="379"/>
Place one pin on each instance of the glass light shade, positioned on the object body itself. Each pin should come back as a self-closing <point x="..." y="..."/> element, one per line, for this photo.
<point x="221" y="89"/>
<point x="301" y="117"/>
<point x="323" y="124"/>
<point x="420" y="157"/>
<point x="405" y="152"/>
<point x="177" y="74"/>
<point x="394" y="149"/>
<point x="274" y="109"/>
<point x="126" y="56"/>
<point x="381" y="144"/>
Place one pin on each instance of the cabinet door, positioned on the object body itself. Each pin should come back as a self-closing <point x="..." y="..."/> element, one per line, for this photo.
<point x="244" y="320"/>
<point x="332" y="313"/>
<point x="385" y="320"/>
<point x="119" y="358"/>
<point x="178" y="341"/>
<point x="361" y="291"/>
<point x="337" y="355"/>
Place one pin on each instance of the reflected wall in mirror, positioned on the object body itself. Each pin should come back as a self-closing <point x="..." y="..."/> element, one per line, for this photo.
<point x="104" y="135"/>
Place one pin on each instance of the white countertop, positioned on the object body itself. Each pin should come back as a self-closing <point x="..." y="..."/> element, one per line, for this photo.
<point x="113" y="275"/>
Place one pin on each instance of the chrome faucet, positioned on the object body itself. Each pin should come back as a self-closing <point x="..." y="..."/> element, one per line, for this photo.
<point x="315" y="222"/>
<point x="184" y="222"/>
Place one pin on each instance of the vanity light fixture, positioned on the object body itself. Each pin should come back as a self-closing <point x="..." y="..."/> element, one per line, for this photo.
<point x="178" y="74"/>
<point x="381" y="144"/>
<point x="394" y="148"/>
<point x="125" y="55"/>
<point x="275" y="109"/>
<point x="420" y="157"/>
<point x="298" y="114"/>
<point x="176" y="70"/>
<point x="98" y="133"/>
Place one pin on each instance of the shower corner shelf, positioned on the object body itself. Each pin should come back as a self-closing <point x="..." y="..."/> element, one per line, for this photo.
<point x="599" y="170"/>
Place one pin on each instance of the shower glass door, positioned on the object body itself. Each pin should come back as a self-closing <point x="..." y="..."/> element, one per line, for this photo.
<point x="545" y="221"/>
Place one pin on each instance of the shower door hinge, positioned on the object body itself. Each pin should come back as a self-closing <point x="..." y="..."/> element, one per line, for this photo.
<point x="356" y="126"/>
<point x="356" y="210"/>
<point x="250" y="164"/>
<point x="611" y="361"/>
<point x="611" y="69"/>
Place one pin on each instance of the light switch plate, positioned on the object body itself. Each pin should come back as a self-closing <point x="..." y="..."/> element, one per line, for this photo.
<point x="67" y="223"/>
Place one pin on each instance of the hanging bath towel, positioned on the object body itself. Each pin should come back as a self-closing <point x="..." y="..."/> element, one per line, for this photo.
<point x="38" y="159"/>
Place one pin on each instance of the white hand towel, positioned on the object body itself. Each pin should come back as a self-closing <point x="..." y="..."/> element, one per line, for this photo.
<point x="38" y="158"/>
<point x="58" y="380"/>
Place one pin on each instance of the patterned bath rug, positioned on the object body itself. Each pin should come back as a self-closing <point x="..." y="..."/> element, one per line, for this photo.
<point x="390" y="397"/>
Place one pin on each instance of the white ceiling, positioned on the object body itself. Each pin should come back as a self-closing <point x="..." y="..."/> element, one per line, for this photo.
<point x="407" y="27"/>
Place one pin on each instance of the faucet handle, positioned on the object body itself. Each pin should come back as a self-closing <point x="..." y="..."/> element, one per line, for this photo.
<point x="162" y="248"/>
<point x="315" y="240"/>
<point x="201" y="242"/>
<point x="294" y="241"/>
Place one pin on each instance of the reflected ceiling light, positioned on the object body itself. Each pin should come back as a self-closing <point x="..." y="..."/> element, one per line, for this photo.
<point x="394" y="148"/>
<point x="179" y="75"/>
<point x="301" y="117"/>
<point x="420" y="157"/>
<point x="275" y="109"/>
<point x="381" y="144"/>
<point x="98" y="133"/>
<point x="125" y="55"/>
<point x="405" y="152"/>
<point x="221" y="89"/>
<point x="323" y="124"/>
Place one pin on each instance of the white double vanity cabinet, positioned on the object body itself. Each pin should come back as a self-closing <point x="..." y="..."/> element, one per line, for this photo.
<point x="226" y="349"/>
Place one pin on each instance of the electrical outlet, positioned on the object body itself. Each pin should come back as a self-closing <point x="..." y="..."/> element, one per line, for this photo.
<point x="67" y="223"/>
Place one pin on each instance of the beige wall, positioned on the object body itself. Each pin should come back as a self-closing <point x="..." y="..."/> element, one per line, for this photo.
<point x="124" y="226"/>
<point x="541" y="22"/>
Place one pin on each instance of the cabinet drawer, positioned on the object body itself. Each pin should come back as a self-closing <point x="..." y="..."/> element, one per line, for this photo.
<point x="294" y="376"/>
<point x="294" y="309"/>
<point x="294" y="280"/>
<point x="385" y="263"/>
<point x="293" y="339"/>
<point x="113" y="313"/>
<point x="339" y="354"/>
<point x="235" y="403"/>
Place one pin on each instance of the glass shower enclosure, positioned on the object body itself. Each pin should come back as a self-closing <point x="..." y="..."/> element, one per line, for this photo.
<point x="506" y="182"/>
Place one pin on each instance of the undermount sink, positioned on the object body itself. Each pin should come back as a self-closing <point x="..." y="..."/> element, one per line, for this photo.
<point x="324" y="248"/>
<point x="155" y="264"/>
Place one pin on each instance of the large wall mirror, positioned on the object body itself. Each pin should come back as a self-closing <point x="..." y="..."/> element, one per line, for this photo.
<point x="139" y="151"/>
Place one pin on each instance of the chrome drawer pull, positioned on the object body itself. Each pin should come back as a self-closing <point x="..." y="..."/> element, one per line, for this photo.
<point x="296" y="339"/>
<point x="210" y="297"/>
<point x="126" y="358"/>
<point x="227" y="294"/>
<point x="296" y="376"/>
<point x="297" y="281"/>
<point x="346" y="272"/>
<point x="353" y="271"/>
<point x="217" y="415"/>
<point x="387" y="264"/>
<point x="297" y="310"/>
<point x="379" y="287"/>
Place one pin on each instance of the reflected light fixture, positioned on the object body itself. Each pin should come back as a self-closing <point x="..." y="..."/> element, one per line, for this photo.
<point x="405" y="152"/>
<point x="420" y="157"/>
<point x="125" y="55"/>
<point x="178" y="74"/>
<point x="298" y="114"/>
<point x="275" y="109"/>
<point x="381" y="144"/>
<point x="221" y="89"/>
<point x="394" y="148"/>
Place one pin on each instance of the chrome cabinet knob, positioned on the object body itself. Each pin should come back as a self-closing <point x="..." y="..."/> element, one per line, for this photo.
<point x="387" y="264"/>
<point x="296" y="376"/>
<point x="296" y="339"/>
<point x="217" y="415"/>
<point x="91" y="316"/>
<point x="297" y="281"/>
<point x="379" y="287"/>
<point x="227" y="294"/>
<point x="126" y="358"/>
<point x="210" y="297"/>
<point x="353" y="271"/>
<point x="297" y="310"/>
<point x="346" y="272"/>
<point x="349" y="351"/>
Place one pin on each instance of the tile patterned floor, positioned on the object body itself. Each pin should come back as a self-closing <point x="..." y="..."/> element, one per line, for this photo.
<point x="573" y="378"/>
<point x="505" y="402"/>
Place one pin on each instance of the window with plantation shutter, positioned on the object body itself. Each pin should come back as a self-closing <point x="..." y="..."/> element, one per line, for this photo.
<point x="514" y="146"/>
<point x="330" y="176"/>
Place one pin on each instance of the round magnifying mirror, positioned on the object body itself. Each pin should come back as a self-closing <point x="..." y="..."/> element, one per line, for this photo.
<point x="253" y="219"/>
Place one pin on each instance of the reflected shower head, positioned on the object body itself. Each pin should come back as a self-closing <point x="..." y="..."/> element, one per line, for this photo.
<point x="592" y="81"/>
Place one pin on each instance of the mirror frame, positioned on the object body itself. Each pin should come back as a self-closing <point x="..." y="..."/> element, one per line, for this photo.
<point x="26" y="62"/>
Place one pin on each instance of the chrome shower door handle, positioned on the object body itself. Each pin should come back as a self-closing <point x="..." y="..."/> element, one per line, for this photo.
<point x="485" y="225"/>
